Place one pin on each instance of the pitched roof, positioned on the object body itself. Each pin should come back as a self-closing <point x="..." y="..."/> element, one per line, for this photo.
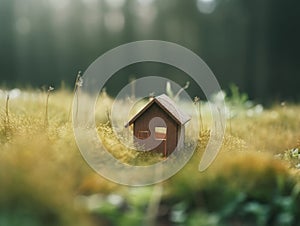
<point x="168" y="106"/>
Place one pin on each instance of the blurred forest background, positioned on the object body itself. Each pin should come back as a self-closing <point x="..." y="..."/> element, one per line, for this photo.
<point x="254" y="44"/>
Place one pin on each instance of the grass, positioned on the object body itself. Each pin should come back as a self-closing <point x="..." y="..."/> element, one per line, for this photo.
<point x="45" y="181"/>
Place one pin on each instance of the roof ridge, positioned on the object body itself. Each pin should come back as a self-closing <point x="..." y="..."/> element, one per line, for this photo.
<point x="181" y="116"/>
<point x="168" y="105"/>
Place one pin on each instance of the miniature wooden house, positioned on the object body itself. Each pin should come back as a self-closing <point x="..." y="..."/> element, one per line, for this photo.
<point x="159" y="126"/>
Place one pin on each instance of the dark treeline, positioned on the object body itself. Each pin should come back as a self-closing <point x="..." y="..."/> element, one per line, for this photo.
<point x="254" y="44"/>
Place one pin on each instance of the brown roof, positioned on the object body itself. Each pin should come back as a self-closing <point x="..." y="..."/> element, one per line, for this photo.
<point x="168" y="106"/>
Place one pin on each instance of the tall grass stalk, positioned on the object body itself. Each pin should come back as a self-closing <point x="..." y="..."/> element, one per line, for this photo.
<point x="78" y="83"/>
<point x="230" y="119"/>
<point x="197" y="102"/>
<point x="46" y="122"/>
<point x="7" y="111"/>
<point x="187" y="84"/>
<point x="7" y="119"/>
<point x="220" y="115"/>
<point x="132" y="86"/>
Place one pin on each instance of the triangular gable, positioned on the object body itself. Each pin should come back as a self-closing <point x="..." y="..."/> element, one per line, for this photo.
<point x="167" y="105"/>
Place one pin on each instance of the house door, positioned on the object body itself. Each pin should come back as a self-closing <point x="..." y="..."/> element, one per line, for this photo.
<point x="161" y="135"/>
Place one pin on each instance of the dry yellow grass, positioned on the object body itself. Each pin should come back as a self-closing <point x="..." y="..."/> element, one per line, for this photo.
<point x="42" y="170"/>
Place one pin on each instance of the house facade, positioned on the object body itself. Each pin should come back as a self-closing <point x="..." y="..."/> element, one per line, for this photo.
<point x="159" y="126"/>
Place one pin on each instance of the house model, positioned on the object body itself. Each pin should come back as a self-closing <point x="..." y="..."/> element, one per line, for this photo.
<point x="159" y="126"/>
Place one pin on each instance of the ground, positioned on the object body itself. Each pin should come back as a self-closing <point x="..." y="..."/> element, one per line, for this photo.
<point x="45" y="181"/>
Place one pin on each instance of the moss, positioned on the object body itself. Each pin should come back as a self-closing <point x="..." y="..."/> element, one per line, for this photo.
<point x="42" y="171"/>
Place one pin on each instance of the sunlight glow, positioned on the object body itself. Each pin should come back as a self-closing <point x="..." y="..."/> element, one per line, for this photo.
<point x="90" y="2"/>
<point x="206" y="6"/>
<point x="145" y="2"/>
<point x="60" y="4"/>
<point x="91" y="5"/>
<point x="207" y="0"/>
<point x="114" y="21"/>
<point x="23" y="25"/>
<point x="115" y="3"/>
<point x="146" y="14"/>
